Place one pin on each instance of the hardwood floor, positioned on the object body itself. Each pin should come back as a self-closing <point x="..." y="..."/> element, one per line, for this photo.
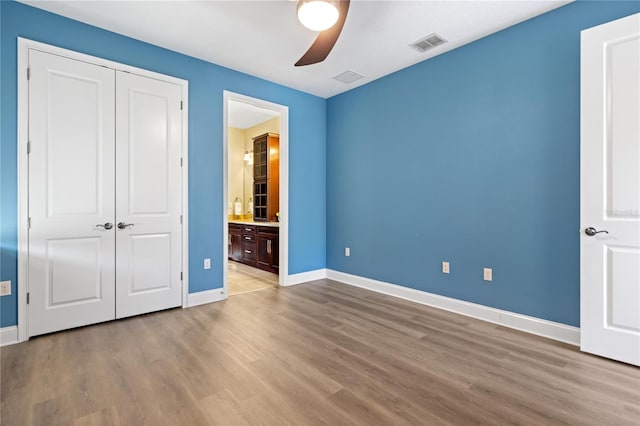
<point x="243" y="278"/>
<point x="321" y="353"/>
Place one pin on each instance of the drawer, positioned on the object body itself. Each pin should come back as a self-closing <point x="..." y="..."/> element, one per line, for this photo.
<point x="248" y="229"/>
<point x="268" y="230"/>
<point x="249" y="251"/>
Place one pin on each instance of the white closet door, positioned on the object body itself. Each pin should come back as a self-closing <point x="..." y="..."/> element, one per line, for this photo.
<point x="610" y="190"/>
<point x="148" y="199"/>
<point x="71" y="268"/>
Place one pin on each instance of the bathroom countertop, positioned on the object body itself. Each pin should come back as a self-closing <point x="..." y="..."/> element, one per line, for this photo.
<point x="251" y="222"/>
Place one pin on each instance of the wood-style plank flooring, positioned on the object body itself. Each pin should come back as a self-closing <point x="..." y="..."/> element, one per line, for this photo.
<point x="243" y="278"/>
<point x="320" y="353"/>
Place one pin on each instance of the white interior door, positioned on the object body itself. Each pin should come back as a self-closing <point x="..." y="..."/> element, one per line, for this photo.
<point x="148" y="201"/>
<point x="610" y="190"/>
<point x="71" y="269"/>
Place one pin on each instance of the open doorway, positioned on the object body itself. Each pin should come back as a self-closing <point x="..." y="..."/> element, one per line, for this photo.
<point x="256" y="188"/>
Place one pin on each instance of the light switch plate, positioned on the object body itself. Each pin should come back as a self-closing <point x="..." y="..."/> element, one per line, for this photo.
<point x="5" y="288"/>
<point x="347" y="251"/>
<point x="207" y="264"/>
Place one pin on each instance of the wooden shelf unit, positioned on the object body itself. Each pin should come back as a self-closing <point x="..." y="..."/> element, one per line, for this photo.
<point x="266" y="177"/>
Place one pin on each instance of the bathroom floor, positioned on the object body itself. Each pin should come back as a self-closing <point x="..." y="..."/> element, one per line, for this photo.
<point x="243" y="279"/>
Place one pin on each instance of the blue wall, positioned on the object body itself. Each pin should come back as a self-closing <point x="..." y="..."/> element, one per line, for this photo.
<point x="307" y="127"/>
<point x="471" y="157"/>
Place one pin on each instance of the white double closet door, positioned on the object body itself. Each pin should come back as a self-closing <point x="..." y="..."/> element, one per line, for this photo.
<point x="104" y="194"/>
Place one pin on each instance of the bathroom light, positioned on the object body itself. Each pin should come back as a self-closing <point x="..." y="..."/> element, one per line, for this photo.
<point x="248" y="156"/>
<point x="317" y="15"/>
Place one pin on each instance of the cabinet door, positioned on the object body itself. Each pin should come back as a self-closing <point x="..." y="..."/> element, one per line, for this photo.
<point x="235" y="244"/>
<point x="260" y="158"/>
<point x="275" y="254"/>
<point x="263" y="255"/>
<point x="268" y="249"/>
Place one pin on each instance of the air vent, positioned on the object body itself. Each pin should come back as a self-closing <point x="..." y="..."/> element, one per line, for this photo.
<point x="428" y="42"/>
<point x="348" y="76"/>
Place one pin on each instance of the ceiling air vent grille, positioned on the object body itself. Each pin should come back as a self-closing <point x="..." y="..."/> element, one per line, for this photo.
<point x="348" y="76"/>
<point x="428" y="42"/>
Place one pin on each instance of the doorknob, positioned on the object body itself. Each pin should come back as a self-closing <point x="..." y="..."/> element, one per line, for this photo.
<point x="123" y="225"/>
<point x="590" y="231"/>
<point x="107" y="225"/>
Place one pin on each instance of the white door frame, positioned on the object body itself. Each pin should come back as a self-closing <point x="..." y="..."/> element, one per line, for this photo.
<point x="23" y="173"/>
<point x="284" y="184"/>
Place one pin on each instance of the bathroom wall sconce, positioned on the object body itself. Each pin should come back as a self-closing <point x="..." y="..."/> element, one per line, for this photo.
<point x="248" y="156"/>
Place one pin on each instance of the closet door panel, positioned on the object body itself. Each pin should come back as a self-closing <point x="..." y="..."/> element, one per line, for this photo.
<point x="148" y="205"/>
<point x="71" y="193"/>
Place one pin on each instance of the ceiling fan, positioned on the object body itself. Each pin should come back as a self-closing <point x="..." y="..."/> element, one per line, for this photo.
<point x="326" y="16"/>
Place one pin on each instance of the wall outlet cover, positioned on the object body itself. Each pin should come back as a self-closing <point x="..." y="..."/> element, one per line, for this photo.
<point x="207" y="264"/>
<point x="488" y="274"/>
<point x="347" y="251"/>
<point x="445" y="267"/>
<point x="5" y="288"/>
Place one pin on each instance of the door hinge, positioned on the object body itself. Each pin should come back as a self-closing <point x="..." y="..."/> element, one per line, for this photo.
<point x="180" y="219"/>
<point x="28" y="223"/>
<point x="181" y="105"/>
<point x="27" y="298"/>
<point x="180" y="276"/>
<point x="180" y="161"/>
<point x="28" y="147"/>
<point x="28" y="73"/>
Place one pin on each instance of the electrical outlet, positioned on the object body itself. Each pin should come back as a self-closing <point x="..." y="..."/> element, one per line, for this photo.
<point x="445" y="267"/>
<point x="207" y="264"/>
<point x="347" y="251"/>
<point x="5" y="288"/>
<point x="488" y="274"/>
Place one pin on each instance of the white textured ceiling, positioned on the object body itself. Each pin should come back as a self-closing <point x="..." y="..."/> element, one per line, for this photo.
<point x="264" y="38"/>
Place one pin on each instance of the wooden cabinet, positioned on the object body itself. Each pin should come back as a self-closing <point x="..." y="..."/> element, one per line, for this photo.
<point x="266" y="177"/>
<point x="268" y="248"/>
<point x="235" y="241"/>
<point x="255" y="245"/>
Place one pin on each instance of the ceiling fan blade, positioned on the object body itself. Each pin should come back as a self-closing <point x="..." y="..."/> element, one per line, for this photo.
<point x="325" y="41"/>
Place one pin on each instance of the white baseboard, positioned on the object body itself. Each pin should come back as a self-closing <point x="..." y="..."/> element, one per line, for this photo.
<point x="304" y="277"/>
<point x="8" y="335"/>
<point x="207" y="296"/>
<point x="552" y="330"/>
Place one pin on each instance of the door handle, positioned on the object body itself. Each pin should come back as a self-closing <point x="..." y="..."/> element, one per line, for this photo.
<point x="107" y="225"/>
<point x="123" y="225"/>
<point x="591" y="231"/>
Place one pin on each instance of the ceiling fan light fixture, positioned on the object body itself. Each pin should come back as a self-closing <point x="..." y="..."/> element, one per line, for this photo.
<point x="318" y="15"/>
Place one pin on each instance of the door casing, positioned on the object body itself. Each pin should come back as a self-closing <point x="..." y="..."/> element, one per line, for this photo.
<point x="24" y="45"/>
<point x="283" y="276"/>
